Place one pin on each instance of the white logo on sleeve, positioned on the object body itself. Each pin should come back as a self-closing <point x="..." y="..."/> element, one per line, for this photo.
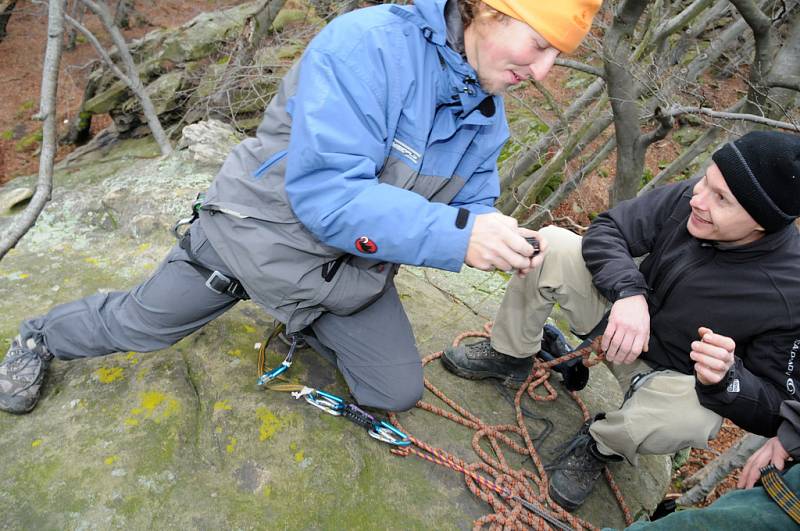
<point x="790" y="386"/>
<point x="733" y="387"/>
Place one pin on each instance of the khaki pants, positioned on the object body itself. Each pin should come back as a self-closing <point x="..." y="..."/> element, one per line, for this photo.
<point x="648" y="421"/>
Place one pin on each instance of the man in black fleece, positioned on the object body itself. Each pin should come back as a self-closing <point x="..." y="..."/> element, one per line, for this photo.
<point x="706" y="328"/>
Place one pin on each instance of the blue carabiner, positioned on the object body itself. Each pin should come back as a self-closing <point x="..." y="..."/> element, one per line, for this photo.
<point x="385" y="432"/>
<point x="274" y="373"/>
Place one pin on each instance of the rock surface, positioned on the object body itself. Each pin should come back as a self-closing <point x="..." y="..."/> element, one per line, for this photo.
<point x="183" y="438"/>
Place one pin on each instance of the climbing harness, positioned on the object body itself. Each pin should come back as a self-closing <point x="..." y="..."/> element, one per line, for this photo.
<point x="216" y="281"/>
<point x="327" y="402"/>
<point x="337" y="406"/>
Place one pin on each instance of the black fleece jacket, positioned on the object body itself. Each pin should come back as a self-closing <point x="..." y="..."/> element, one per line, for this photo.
<point x="750" y="293"/>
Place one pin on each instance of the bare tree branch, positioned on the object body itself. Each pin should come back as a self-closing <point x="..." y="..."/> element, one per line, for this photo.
<point x="6" y="8"/>
<point x="582" y="67"/>
<point x="707" y="477"/>
<point x="132" y="76"/>
<point x="742" y="117"/>
<point x="47" y="112"/>
<point x="787" y="82"/>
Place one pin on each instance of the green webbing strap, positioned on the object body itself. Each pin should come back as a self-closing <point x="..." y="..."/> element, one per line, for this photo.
<point x="780" y="492"/>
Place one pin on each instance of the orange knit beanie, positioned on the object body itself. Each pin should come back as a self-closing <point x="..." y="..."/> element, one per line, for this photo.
<point x="564" y="23"/>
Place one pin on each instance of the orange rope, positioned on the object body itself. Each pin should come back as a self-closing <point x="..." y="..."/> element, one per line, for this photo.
<point x="492" y="475"/>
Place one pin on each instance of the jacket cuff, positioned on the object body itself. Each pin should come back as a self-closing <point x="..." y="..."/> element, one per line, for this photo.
<point x="630" y="292"/>
<point x="790" y="439"/>
<point x="729" y="384"/>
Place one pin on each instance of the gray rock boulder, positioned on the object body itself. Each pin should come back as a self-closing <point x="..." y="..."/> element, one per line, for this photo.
<point x="183" y="438"/>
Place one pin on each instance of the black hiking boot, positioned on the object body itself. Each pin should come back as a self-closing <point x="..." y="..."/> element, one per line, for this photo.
<point x="577" y="468"/>
<point x="22" y="373"/>
<point x="554" y="342"/>
<point x="480" y="360"/>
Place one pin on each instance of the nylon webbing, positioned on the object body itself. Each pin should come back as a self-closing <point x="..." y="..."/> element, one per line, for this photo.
<point x="779" y="491"/>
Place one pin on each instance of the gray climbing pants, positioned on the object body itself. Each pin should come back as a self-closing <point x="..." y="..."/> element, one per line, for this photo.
<point x="374" y="348"/>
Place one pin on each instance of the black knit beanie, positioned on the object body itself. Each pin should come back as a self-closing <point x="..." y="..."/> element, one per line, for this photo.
<point x="762" y="170"/>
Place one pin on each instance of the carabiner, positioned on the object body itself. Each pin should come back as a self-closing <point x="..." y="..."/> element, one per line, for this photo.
<point x="385" y="432"/>
<point x="327" y="402"/>
<point x="274" y="373"/>
<point x="270" y="375"/>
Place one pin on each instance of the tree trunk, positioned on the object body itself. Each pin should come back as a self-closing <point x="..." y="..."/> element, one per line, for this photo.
<point x="122" y="14"/>
<point x="6" y="7"/>
<point x="47" y="112"/>
<point x="624" y="97"/>
<point x="76" y="11"/>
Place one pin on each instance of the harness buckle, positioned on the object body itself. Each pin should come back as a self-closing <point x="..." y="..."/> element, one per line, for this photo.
<point x="218" y="283"/>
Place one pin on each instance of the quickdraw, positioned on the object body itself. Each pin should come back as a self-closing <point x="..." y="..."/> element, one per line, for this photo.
<point x="267" y="375"/>
<point x="327" y="402"/>
<point x="334" y="405"/>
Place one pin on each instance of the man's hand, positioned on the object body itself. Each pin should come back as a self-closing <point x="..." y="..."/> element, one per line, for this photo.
<point x="497" y="243"/>
<point x="712" y="356"/>
<point x="772" y="452"/>
<point x="628" y="332"/>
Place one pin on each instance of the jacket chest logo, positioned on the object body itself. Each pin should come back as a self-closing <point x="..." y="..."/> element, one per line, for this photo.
<point x="406" y="150"/>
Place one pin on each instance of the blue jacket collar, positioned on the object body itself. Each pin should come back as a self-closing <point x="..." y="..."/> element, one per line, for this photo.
<point x="429" y="16"/>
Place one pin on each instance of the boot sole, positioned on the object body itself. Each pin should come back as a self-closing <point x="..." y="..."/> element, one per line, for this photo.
<point x="569" y="506"/>
<point x="480" y="375"/>
<point x="16" y="407"/>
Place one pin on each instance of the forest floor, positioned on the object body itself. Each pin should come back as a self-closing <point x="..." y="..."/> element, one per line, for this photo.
<point x="21" y="58"/>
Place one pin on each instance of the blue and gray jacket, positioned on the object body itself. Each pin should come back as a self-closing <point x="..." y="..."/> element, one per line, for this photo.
<point x="378" y="149"/>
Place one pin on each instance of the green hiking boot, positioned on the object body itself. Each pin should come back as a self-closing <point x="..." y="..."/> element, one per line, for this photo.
<point x="22" y="374"/>
<point x="479" y="360"/>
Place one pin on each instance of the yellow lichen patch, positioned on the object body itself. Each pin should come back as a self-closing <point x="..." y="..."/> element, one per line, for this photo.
<point x="144" y="371"/>
<point x="136" y="411"/>
<point x="131" y="422"/>
<point x="148" y="267"/>
<point x="222" y="405"/>
<point x="236" y="353"/>
<point x="218" y="429"/>
<point x="249" y="329"/>
<point x="36" y="443"/>
<point x="92" y="261"/>
<point x="23" y="276"/>
<point x="267" y="492"/>
<point x="108" y="375"/>
<point x="270" y="424"/>
<point x="111" y="460"/>
<point x="231" y="445"/>
<point x="298" y="457"/>
<point x="132" y="359"/>
<point x="293" y="446"/>
<point x="156" y="400"/>
<point x="144" y="247"/>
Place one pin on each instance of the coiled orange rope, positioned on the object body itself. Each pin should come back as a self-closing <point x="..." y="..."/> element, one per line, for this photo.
<point x="492" y="479"/>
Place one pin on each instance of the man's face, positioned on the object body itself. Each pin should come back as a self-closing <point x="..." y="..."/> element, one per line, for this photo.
<point x="717" y="215"/>
<point x="505" y="52"/>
